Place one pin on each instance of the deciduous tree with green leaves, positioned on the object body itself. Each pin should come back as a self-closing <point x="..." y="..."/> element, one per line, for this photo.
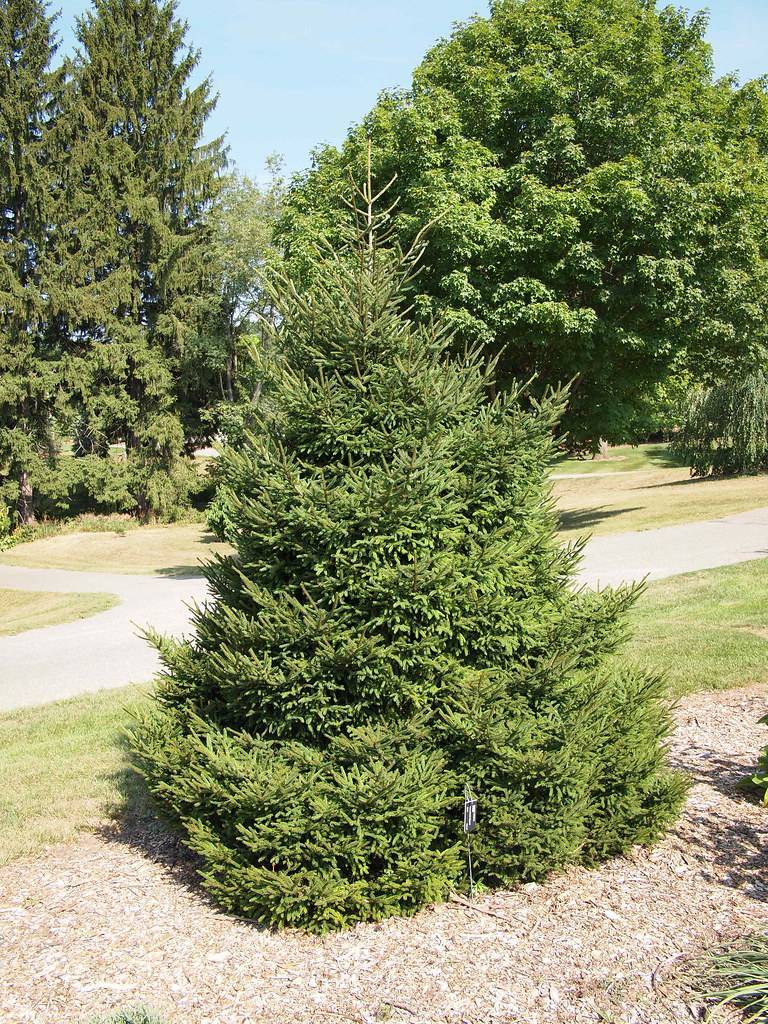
<point x="599" y="199"/>
<point x="397" y="622"/>
<point x="220" y="384"/>
<point x="724" y="428"/>
<point x="139" y="184"/>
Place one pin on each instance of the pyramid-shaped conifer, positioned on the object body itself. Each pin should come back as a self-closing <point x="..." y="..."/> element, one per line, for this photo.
<point x="397" y="621"/>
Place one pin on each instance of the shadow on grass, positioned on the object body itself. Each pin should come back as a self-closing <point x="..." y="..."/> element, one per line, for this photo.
<point x="663" y="460"/>
<point x="585" y="518"/>
<point x="658" y="456"/>
<point x="681" y="483"/>
<point x="180" y="572"/>
<point x="655" y="457"/>
<point x="731" y="477"/>
<point x="194" y="571"/>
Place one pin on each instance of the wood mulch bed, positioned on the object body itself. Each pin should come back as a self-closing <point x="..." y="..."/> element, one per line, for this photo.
<point x="117" y="920"/>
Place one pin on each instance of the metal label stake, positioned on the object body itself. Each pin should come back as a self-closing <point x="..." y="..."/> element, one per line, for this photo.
<point x="470" y="824"/>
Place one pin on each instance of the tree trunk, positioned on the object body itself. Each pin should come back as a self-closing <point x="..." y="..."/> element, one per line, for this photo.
<point x="603" y="451"/>
<point x="143" y="508"/>
<point x="26" y="506"/>
<point x="230" y="376"/>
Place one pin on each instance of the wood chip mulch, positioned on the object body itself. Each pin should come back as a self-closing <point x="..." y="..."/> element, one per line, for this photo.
<point x="117" y="920"/>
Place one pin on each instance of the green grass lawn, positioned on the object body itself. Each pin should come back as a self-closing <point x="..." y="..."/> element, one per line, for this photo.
<point x="645" y="489"/>
<point x="65" y="767"/>
<point x="21" y="610"/>
<point x="705" y="630"/>
<point x="177" y="549"/>
<point x="622" y="459"/>
<point x="645" y="501"/>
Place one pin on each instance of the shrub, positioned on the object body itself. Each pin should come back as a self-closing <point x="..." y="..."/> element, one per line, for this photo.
<point x="397" y="621"/>
<point x="218" y="514"/>
<point x="725" y="428"/>
<point x="6" y="519"/>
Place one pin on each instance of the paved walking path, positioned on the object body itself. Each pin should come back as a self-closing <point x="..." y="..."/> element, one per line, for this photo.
<point x="104" y="651"/>
<point x="90" y="654"/>
<point x="672" y="550"/>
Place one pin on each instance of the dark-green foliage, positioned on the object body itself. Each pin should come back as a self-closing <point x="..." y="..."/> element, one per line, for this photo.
<point x="725" y="427"/>
<point x="397" y="621"/>
<point x="138" y="186"/>
<point x="600" y="199"/>
<point x="30" y="385"/>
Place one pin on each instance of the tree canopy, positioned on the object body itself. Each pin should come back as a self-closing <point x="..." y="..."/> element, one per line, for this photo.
<point x="724" y="428"/>
<point x="219" y="384"/>
<point x="597" y="198"/>
<point x="139" y="183"/>
<point x="29" y="350"/>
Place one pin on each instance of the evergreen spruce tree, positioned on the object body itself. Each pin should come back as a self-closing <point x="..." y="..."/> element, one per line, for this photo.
<point x="140" y="181"/>
<point x="397" y="623"/>
<point x="29" y="354"/>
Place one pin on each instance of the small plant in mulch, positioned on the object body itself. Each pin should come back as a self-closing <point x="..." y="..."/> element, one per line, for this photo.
<point x="756" y="783"/>
<point x="398" y="623"/>
<point x="760" y="779"/>
<point x="137" y="1015"/>
<point x="738" y="977"/>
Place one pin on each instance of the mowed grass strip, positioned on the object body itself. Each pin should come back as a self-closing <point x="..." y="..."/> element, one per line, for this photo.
<point x="21" y="610"/>
<point x="150" y="550"/>
<point x="64" y="768"/>
<point x="622" y="459"/>
<point x="705" y="630"/>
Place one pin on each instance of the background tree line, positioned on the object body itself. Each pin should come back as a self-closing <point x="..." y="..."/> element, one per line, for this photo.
<point x="597" y="200"/>
<point x="129" y="263"/>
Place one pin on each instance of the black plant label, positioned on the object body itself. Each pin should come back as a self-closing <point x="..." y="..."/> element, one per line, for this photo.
<point x="470" y="815"/>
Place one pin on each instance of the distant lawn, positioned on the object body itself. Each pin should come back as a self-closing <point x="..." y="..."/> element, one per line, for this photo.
<point x="21" y="610"/>
<point x="622" y="459"/>
<point x="705" y="630"/>
<point x="642" y="488"/>
<point x="645" y="499"/>
<point x="149" y="550"/>
<point x="64" y="768"/>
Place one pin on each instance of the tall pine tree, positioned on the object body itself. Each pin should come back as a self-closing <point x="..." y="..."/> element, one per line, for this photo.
<point x="29" y="356"/>
<point x="140" y="180"/>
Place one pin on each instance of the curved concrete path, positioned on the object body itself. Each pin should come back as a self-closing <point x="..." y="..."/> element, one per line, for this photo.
<point x="672" y="550"/>
<point x="104" y="651"/>
<point x="99" y="652"/>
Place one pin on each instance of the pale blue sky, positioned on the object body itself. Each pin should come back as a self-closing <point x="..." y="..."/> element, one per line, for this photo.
<point x="294" y="73"/>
